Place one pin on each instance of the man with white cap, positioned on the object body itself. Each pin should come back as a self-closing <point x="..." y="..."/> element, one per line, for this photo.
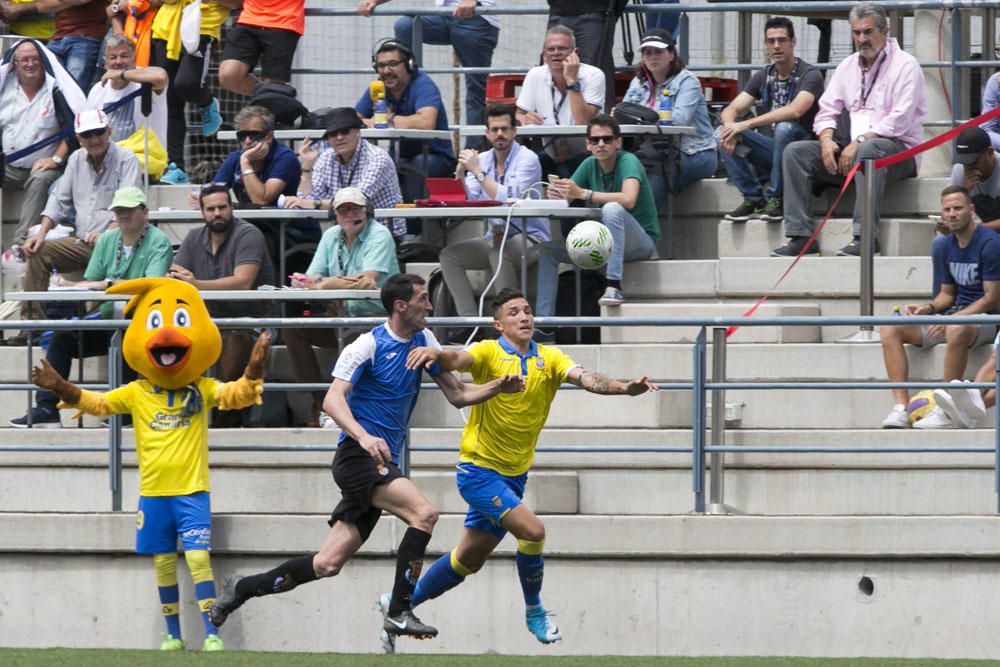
<point x="93" y="173"/>
<point x="353" y="254"/>
<point x="134" y="249"/>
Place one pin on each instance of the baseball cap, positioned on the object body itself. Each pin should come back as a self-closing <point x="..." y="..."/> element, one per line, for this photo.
<point x="90" y="119"/>
<point x="656" y="38"/>
<point x="130" y="197"/>
<point x="971" y="143"/>
<point x="342" y="118"/>
<point x="349" y="196"/>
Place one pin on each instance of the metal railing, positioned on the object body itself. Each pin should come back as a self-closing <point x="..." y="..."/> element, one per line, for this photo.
<point x="707" y="445"/>
<point x="955" y="8"/>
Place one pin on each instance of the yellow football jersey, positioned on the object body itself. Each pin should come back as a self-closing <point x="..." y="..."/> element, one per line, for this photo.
<point x="502" y="432"/>
<point x="171" y="434"/>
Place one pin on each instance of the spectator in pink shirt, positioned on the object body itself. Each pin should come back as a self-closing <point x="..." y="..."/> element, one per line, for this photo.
<point x="873" y="106"/>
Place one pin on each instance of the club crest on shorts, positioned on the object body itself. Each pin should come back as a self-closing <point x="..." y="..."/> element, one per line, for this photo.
<point x="382" y="470"/>
<point x="497" y="502"/>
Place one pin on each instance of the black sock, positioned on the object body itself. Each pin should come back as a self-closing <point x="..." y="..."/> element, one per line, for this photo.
<point x="409" y="562"/>
<point x="617" y="284"/>
<point x="283" y="578"/>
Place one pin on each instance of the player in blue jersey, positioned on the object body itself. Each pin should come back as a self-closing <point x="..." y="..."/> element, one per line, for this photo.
<point x="372" y="397"/>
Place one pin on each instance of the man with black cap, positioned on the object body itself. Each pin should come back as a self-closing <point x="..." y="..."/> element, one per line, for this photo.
<point x="351" y="163"/>
<point x="975" y="170"/>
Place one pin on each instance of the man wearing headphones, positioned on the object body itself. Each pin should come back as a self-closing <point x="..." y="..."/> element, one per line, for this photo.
<point x="353" y="254"/>
<point x="414" y="102"/>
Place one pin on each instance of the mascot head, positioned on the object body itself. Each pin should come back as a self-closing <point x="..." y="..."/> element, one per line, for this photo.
<point x="171" y="340"/>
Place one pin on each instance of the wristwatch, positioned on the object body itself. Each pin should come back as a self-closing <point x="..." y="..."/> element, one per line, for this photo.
<point x="481" y="177"/>
<point x="573" y="86"/>
<point x="861" y="138"/>
<point x="58" y="159"/>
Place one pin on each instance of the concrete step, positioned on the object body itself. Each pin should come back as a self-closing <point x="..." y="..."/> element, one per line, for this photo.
<point x="756" y="238"/>
<point x="653" y="334"/>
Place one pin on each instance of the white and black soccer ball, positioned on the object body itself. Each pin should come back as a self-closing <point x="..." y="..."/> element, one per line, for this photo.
<point x="589" y="244"/>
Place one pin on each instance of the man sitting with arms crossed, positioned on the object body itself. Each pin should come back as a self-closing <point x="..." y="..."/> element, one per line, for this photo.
<point x="226" y="254"/>
<point x="353" y="254"/>
<point x="505" y="172"/>
<point x="969" y="286"/>
<point x="614" y="180"/>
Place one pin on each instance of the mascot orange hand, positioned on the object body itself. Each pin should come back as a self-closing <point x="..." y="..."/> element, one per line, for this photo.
<point x="171" y="340"/>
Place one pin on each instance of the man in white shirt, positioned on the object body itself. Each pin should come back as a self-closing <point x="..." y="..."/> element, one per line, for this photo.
<point x="561" y="91"/>
<point x="28" y="114"/>
<point x="506" y="171"/>
<point x="121" y="78"/>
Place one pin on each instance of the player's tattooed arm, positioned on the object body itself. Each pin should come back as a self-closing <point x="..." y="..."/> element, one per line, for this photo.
<point x="599" y="383"/>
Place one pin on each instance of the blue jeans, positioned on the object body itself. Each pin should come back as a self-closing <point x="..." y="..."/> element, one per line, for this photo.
<point x="631" y="243"/>
<point x="473" y="40"/>
<point x="78" y="54"/>
<point x="687" y="170"/>
<point x="669" y="21"/>
<point x="765" y="156"/>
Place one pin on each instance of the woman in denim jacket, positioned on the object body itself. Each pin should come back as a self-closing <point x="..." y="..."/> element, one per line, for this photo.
<point x="662" y="69"/>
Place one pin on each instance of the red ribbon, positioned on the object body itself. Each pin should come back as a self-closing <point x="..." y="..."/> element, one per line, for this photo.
<point x="883" y="163"/>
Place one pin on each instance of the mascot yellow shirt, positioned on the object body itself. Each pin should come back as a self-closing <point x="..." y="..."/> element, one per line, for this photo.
<point x="171" y="434"/>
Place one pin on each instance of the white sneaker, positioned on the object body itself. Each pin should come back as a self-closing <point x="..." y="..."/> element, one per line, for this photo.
<point x="326" y="421"/>
<point x="612" y="297"/>
<point x="935" y="419"/>
<point x="897" y="418"/>
<point x="963" y="406"/>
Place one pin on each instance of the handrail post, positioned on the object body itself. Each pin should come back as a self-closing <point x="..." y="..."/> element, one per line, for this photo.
<point x="115" y="423"/>
<point x="717" y="490"/>
<point x="996" y="421"/>
<point x="867" y="333"/>
<point x="698" y="422"/>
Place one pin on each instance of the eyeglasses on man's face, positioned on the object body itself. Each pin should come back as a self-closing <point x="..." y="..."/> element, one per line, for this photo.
<point x="252" y="135"/>
<point x="601" y="139"/>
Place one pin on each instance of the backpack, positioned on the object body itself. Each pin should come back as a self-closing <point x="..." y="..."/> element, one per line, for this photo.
<point x="279" y="99"/>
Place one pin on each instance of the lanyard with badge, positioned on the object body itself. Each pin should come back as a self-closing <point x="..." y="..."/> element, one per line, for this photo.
<point x="861" y="114"/>
<point x="561" y="149"/>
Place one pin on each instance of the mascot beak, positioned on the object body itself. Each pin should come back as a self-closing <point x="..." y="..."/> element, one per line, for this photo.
<point x="168" y="350"/>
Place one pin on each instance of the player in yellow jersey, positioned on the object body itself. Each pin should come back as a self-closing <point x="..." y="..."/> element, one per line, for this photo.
<point x="498" y="446"/>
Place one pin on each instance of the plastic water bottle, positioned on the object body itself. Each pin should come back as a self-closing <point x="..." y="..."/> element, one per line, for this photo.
<point x="897" y="311"/>
<point x="381" y="114"/>
<point x="666" y="109"/>
<point x="55" y="280"/>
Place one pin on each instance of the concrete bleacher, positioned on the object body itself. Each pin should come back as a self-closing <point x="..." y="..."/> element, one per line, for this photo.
<point x="806" y="527"/>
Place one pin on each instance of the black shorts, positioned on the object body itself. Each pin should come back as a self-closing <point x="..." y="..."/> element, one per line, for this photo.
<point x="274" y="48"/>
<point x="356" y="474"/>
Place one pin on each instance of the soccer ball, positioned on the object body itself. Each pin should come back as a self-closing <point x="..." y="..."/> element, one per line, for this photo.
<point x="921" y="405"/>
<point x="589" y="244"/>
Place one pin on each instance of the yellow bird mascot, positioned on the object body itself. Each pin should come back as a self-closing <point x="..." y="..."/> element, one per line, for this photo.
<point x="171" y="341"/>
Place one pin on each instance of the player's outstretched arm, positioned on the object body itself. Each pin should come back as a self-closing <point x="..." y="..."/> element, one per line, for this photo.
<point x="599" y="383"/>
<point x="449" y="360"/>
<point x="461" y="394"/>
<point x="47" y="377"/>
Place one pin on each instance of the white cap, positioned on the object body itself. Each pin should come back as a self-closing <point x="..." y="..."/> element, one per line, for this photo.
<point x="349" y="196"/>
<point x="90" y="119"/>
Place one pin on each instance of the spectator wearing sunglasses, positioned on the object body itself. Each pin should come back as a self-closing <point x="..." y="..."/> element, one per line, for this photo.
<point x="93" y="173"/>
<point x="262" y="170"/>
<point x="615" y="181"/>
